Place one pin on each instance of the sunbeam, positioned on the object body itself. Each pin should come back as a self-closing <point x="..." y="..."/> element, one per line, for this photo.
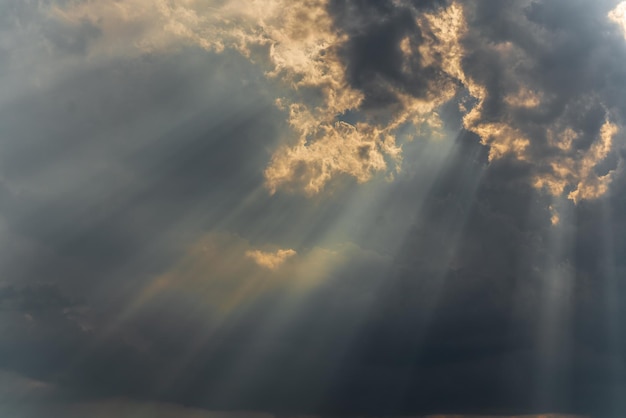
<point x="554" y="318"/>
<point x="613" y="308"/>
<point x="312" y="208"/>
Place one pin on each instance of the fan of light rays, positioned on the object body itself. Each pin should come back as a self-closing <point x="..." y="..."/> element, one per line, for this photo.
<point x="315" y="266"/>
<point x="288" y="313"/>
<point x="167" y="153"/>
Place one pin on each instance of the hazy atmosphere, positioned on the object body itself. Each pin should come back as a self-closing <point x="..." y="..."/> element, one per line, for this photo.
<point x="312" y="208"/>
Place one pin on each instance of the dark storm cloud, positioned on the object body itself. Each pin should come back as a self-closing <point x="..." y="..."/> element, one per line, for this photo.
<point x="477" y="346"/>
<point x="567" y="50"/>
<point x="451" y="327"/>
<point x="545" y="78"/>
<point x="373" y="56"/>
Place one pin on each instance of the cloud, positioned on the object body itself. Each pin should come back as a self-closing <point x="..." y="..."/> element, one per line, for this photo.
<point x="117" y="407"/>
<point x="126" y="150"/>
<point x="70" y="36"/>
<point x="540" y="132"/>
<point x="39" y="299"/>
<point x="213" y="293"/>
<point x="127" y="407"/>
<point x="349" y="110"/>
<point x="350" y="135"/>
<point x="580" y="168"/>
<point x="15" y="388"/>
<point x="618" y="16"/>
<point x="270" y="260"/>
<point x="230" y="263"/>
<point x="435" y="48"/>
<point x="124" y="28"/>
<point x="300" y="45"/>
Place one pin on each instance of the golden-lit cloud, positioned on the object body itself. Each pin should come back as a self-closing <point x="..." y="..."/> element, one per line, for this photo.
<point x="447" y="28"/>
<point x="270" y="260"/>
<point x="501" y="138"/>
<point x="618" y="15"/>
<point x="555" y="218"/>
<point x="570" y="170"/>
<point x="442" y="32"/>
<point x="297" y="40"/>
<point x="339" y="148"/>
<point x="523" y="98"/>
<point x="575" y="169"/>
<point x="298" y="45"/>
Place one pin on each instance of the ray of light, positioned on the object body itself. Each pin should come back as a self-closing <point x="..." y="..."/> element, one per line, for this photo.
<point x="555" y="310"/>
<point x="289" y="310"/>
<point x="467" y="181"/>
<point x="613" y="307"/>
<point x="287" y="313"/>
<point x="425" y="159"/>
<point x="198" y="214"/>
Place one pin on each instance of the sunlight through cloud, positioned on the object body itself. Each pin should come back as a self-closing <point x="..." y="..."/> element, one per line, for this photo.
<point x="618" y="16"/>
<point x="270" y="260"/>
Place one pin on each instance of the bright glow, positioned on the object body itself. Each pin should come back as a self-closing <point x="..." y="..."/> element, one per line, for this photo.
<point x="618" y="15"/>
<point x="270" y="260"/>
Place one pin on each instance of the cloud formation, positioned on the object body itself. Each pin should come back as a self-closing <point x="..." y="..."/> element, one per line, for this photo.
<point x="618" y="16"/>
<point x="350" y="110"/>
<point x="142" y="257"/>
<point x="300" y="45"/>
<point x="270" y="260"/>
<point x="443" y="47"/>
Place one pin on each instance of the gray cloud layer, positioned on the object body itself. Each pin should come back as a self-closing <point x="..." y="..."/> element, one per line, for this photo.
<point x="145" y="257"/>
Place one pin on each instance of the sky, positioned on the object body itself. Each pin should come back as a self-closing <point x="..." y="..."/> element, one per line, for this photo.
<point x="312" y="208"/>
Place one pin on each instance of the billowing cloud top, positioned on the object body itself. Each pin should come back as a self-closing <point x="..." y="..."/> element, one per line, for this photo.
<point x="358" y="77"/>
